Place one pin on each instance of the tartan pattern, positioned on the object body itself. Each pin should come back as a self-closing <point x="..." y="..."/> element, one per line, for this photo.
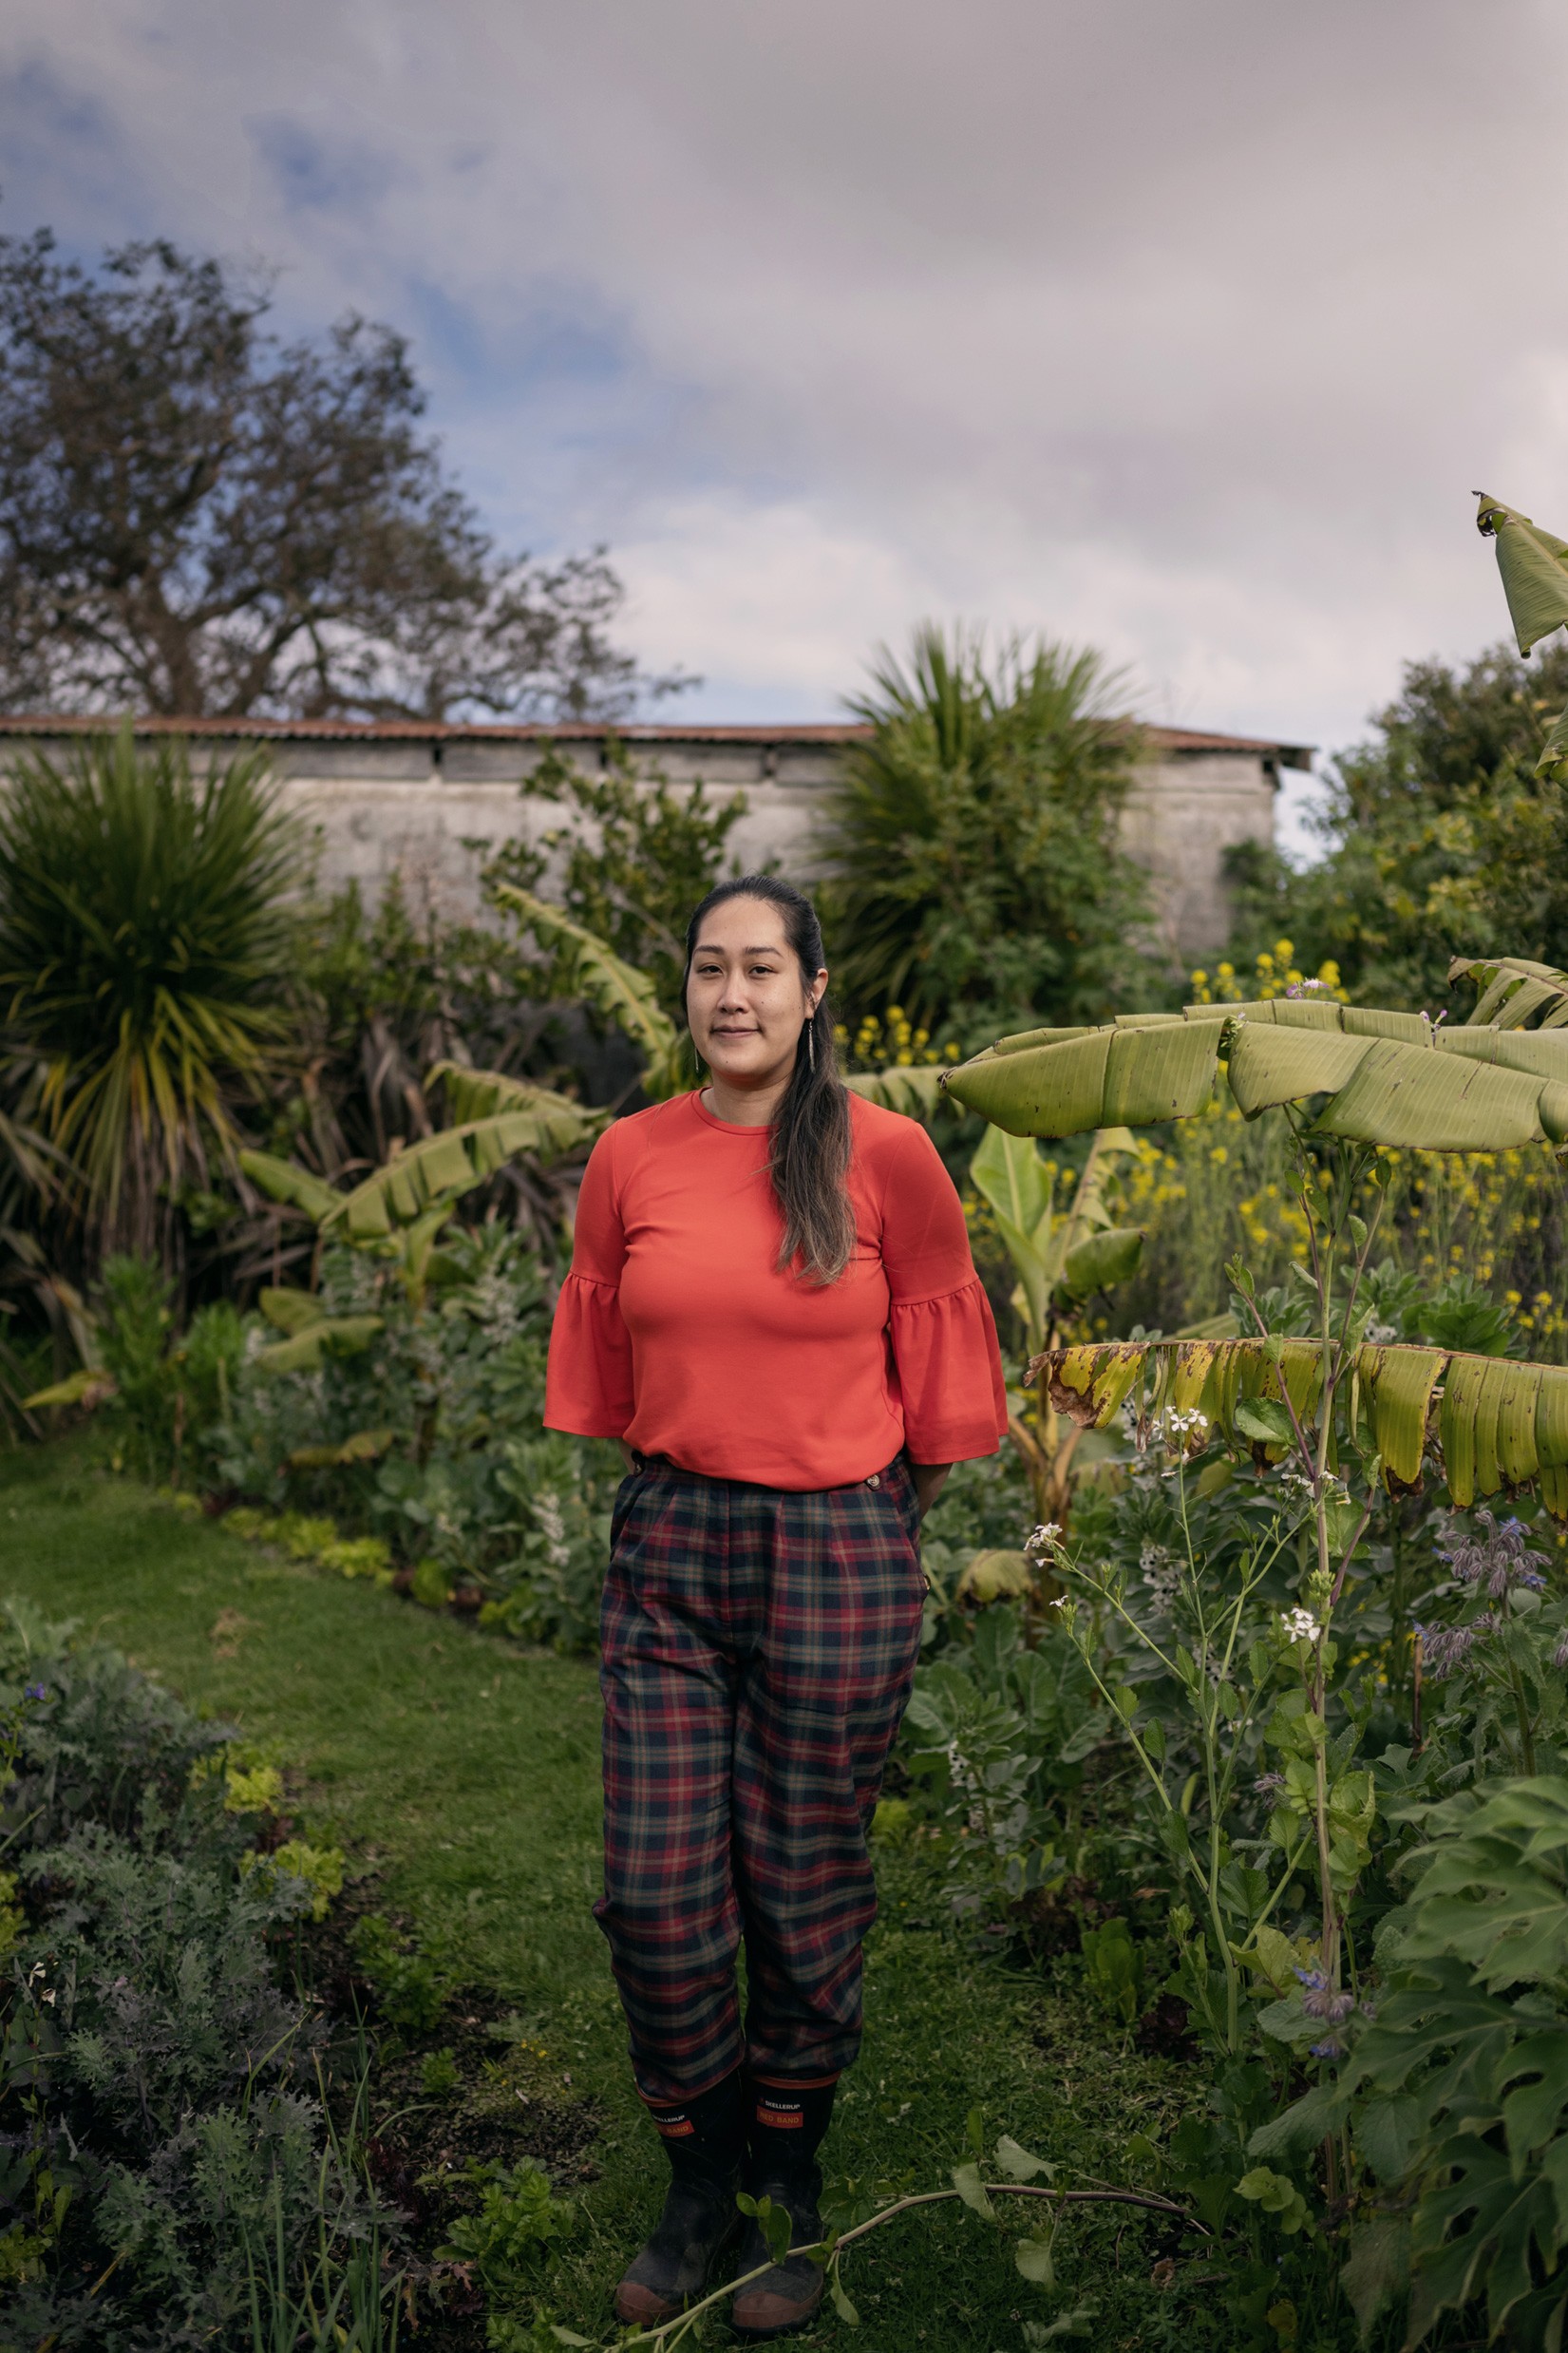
<point x="759" y="1646"/>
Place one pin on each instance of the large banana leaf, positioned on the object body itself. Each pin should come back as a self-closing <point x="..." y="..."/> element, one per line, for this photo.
<point x="281" y="1180"/>
<point x="1373" y="1077"/>
<point x="439" y="1168"/>
<point x="477" y="1095"/>
<point x="621" y="993"/>
<point x="309" y="1332"/>
<point x="1533" y="566"/>
<point x="1498" y="1425"/>
<point x="1078" y="1252"/>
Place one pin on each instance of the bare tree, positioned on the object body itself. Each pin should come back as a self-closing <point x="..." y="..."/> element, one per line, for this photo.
<point x="197" y="518"/>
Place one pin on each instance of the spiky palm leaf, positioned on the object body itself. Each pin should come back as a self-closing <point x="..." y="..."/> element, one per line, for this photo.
<point x="143" y="941"/>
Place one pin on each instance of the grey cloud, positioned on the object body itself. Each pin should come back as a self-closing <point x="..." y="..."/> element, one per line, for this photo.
<point x="1185" y="329"/>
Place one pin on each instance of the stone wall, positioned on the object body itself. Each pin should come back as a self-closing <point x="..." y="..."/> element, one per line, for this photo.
<point x="430" y="804"/>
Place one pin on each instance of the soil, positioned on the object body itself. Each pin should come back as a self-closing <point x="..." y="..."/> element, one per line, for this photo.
<point x="473" y="2090"/>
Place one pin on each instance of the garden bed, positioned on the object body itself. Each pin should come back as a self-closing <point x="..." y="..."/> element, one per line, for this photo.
<point x="463" y="1776"/>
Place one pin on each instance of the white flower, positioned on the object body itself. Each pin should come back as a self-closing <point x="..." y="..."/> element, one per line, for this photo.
<point x="1300" y="1625"/>
<point x="1175" y="1427"/>
<point x="1047" y="1538"/>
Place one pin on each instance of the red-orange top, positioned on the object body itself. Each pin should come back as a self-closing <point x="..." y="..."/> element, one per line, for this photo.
<point x="677" y="1331"/>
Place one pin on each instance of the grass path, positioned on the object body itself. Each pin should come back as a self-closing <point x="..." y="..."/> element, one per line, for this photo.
<point x="464" y="1772"/>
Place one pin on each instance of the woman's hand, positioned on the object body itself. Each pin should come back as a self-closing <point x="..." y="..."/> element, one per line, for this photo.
<point x="930" y="1479"/>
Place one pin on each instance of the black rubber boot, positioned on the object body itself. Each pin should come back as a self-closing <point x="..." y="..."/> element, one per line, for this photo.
<point x="705" y="2142"/>
<point x="785" y="2128"/>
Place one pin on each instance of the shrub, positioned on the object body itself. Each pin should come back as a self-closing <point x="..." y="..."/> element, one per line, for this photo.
<point x="158" y="2092"/>
<point x="426" y="1448"/>
<point x="143" y="945"/>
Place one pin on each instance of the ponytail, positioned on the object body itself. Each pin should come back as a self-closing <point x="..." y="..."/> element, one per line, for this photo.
<point x="809" y="1159"/>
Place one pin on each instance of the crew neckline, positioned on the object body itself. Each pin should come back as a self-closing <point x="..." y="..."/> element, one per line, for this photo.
<point x="724" y="1127"/>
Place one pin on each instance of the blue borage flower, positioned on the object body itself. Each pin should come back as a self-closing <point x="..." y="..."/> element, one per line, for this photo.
<point x="1496" y="1562"/>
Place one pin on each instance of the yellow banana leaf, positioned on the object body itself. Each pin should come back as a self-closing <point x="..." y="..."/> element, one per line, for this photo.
<point x="1499" y="1426"/>
<point x="1397" y="1387"/>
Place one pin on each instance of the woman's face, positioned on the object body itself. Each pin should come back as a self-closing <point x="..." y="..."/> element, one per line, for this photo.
<point x="745" y="997"/>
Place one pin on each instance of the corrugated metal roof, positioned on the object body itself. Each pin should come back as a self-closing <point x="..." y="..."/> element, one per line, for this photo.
<point x="1171" y="739"/>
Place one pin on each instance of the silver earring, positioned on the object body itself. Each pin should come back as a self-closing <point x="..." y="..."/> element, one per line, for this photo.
<point x="811" y="1042"/>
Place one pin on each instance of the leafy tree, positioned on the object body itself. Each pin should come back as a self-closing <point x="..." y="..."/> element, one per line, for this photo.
<point x="973" y="842"/>
<point x="196" y="517"/>
<point x="1439" y="839"/>
<point x="144" y="946"/>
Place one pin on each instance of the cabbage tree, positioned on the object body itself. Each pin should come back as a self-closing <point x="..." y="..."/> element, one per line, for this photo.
<point x="144" y="951"/>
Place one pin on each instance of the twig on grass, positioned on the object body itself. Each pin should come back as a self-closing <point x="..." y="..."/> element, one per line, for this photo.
<point x="669" y="2333"/>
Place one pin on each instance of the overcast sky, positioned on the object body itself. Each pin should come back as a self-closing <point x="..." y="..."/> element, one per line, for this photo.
<point x="1184" y="330"/>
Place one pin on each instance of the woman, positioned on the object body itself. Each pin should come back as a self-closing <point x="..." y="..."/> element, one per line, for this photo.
<point x="773" y="1307"/>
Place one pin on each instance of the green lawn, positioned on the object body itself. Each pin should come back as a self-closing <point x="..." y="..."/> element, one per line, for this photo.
<point x="463" y="1772"/>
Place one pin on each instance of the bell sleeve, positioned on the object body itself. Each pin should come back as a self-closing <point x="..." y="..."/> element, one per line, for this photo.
<point x="588" y="1387"/>
<point x="941" y="1329"/>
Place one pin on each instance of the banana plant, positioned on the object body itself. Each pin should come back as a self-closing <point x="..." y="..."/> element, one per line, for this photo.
<point x="1060" y="1254"/>
<point x="403" y="1206"/>
<point x="621" y="993"/>
<point x="1348" y="1080"/>
<point x="309" y="1332"/>
<point x="1363" y="1075"/>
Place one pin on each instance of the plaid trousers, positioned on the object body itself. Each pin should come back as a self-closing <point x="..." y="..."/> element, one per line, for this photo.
<point x="758" y="1648"/>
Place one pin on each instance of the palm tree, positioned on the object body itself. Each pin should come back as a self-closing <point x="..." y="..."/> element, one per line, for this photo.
<point x="972" y="842"/>
<point x="144" y="933"/>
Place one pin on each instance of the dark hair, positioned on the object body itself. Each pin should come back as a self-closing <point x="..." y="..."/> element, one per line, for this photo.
<point x="811" y="1132"/>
